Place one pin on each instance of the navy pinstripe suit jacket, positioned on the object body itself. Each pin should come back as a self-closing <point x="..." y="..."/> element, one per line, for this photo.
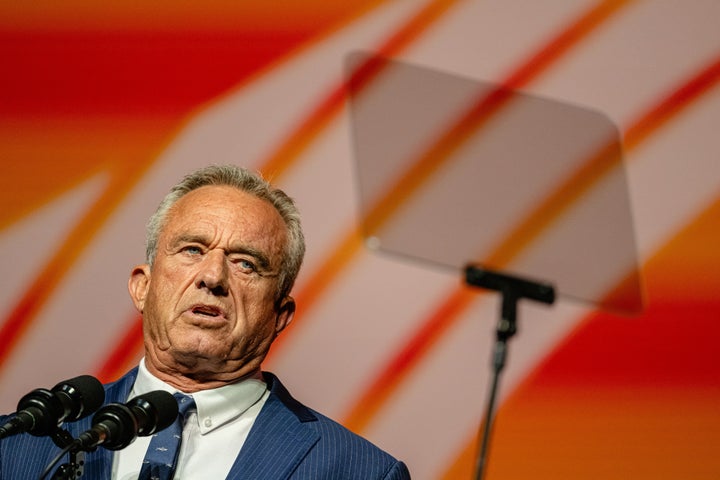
<point x="287" y="441"/>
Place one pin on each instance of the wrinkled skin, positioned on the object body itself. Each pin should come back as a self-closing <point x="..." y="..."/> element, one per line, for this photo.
<point x="209" y="303"/>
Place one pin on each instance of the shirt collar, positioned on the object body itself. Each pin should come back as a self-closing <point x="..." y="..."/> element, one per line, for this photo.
<point x="215" y="407"/>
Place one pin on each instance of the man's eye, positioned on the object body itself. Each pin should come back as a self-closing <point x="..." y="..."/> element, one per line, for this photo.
<point x="192" y="250"/>
<point x="244" y="265"/>
<point x="247" y="265"/>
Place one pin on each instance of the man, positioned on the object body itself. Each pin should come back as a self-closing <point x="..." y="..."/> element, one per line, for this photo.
<point x="223" y="251"/>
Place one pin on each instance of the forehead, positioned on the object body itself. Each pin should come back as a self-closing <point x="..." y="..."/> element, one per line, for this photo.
<point x="226" y="214"/>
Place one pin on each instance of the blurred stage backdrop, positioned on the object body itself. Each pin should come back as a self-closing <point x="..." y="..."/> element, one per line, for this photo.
<point x="104" y="105"/>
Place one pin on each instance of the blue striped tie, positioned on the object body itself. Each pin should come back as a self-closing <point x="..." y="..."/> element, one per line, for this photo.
<point x="161" y="457"/>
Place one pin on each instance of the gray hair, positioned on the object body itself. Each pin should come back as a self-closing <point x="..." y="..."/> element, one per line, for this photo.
<point x="247" y="181"/>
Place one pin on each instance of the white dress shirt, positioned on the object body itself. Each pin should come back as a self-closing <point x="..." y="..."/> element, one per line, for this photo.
<point x="212" y="436"/>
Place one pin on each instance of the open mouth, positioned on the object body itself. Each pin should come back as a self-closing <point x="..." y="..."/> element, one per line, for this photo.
<point x="206" y="311"/>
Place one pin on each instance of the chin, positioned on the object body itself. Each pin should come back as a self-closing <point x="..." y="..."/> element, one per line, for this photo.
<point x="200" y="348"/>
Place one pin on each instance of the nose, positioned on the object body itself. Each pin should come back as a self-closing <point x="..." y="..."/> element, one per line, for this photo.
<point x="213" y="273"/>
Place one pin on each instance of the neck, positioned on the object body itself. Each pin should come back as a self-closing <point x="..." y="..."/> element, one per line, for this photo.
<point x="193" y="378"/>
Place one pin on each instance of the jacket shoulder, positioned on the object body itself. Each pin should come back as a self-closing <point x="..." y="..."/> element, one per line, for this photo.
<point x="336" y="451"/>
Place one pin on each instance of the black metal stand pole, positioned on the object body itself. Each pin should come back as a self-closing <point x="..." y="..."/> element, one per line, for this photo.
<point x="512" y="290"/>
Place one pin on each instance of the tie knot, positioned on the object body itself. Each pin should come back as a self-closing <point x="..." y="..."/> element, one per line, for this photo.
<point x="185" y="403"/>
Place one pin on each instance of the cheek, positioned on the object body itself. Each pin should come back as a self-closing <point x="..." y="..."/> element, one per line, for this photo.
<point x="256" y="311"/>
<point x="254" y="299"/>
<point x="152" y="314"/>
<point x="246" y="288"/>
<point x="170" y="285"/>
<point x="161" y="301"/>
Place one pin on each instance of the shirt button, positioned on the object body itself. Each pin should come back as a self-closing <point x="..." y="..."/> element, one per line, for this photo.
<point x="208" y="422"/>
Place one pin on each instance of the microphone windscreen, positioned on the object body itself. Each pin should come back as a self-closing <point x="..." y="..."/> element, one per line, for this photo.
<point x="155" y="411"/>
<point x="80" y="396"/>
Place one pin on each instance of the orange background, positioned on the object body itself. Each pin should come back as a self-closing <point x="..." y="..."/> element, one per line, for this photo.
<point x="104" y="105"/>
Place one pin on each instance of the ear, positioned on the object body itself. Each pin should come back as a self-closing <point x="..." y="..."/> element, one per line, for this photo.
<point x="285" y="314"/>
<point x="138" y="284"/>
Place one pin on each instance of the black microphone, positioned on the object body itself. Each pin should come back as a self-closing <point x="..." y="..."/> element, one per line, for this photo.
<point x="115" y="426"/>
<point x="41" y="411"/>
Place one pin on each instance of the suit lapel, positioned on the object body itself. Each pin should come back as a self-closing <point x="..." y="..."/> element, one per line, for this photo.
<point x="279" y="440"/>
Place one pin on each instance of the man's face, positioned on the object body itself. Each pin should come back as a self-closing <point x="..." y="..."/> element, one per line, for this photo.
<point x="209" y="302"/>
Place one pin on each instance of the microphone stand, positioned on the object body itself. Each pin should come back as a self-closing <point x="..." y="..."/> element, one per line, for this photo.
<point x="512" y="290"/>
<point x="74" y="468"/>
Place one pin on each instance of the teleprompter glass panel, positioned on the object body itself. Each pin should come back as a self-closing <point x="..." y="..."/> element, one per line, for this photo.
<point x="453" y="171"/>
